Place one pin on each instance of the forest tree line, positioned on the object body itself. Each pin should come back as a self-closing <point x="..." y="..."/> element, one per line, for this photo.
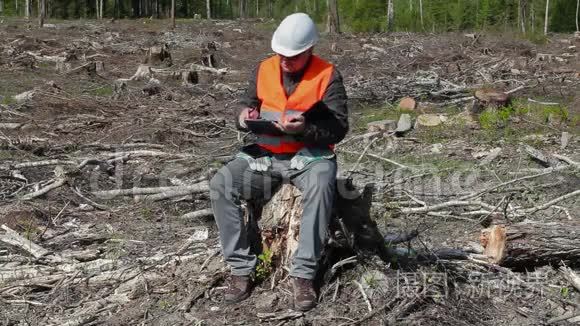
<point x="527" y="16"/>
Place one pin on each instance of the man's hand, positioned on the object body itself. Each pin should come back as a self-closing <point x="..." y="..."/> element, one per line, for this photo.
<point x="294" y="124"/>
<point x="247" y="113"/>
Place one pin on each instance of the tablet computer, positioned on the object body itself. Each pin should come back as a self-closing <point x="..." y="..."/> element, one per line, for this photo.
<point x="262" y="126"/>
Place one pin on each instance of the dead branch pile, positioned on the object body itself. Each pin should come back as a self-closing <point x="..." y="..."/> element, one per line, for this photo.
<point x="407" y="66"/>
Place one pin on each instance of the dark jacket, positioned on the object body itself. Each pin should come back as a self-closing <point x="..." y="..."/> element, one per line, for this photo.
<point x="326" y="124"/>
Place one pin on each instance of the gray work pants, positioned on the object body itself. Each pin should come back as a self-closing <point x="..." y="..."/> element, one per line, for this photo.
<point x="236" y="181"/>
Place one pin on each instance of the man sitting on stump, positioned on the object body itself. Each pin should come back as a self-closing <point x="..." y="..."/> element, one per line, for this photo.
<point x="304" y="97"/>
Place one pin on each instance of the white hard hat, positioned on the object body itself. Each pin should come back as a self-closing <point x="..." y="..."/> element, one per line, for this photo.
<point x="295" y="34"/>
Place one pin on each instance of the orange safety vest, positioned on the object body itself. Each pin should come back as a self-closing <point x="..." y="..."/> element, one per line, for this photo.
<point x="276" y="104"/>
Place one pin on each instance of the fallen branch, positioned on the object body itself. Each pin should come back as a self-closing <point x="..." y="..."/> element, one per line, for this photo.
<point x="565" y="316"/>
<point x="13" y="238"/>
<point x="362" y="291"/>
<point x="373" y="313"/>
<point x="42" y="163"/>
<point x="56" y="184"/>
<point x="503" y="184"/>
<point x="29" y="302"/>
<point x="570" y="276"/>
<point x="189" y="302"/>
<point x="92" y="203"/>
<point x="198" y="214"/>
<point x="196" y="188"/>
<point x="221" y="71"/>
<point x="380" y="158"/>
<point x="550" y="203"/>
<point x="452" y="203"/>
<point x="542" y="103"/>
<point x="567" y="160"/>
<point x="270" y="316"/>
<point x="144" y="153"/>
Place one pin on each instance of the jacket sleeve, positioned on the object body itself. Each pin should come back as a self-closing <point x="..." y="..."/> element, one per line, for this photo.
<point x="327" y="122"/>
<point x="248" y="100"/>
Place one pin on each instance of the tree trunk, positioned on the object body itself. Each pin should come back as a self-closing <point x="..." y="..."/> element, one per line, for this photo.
<point x="41" y="12"/>
<point x="421" y="13"/>
<point x="243" y="8"/>
<point x="316" y="8"/>
<point x="333" y="17"/>
<point x="257" y="8"/>
<point x="546" y="17"/>
<point x="533" y="18"/>
<point x="208" y="8"/>
<point x="173" y="14"/>
<point x="390" y="16"/>
<point x="577" y="10"/>
<point x="27" y="9"/>
<point x="530" y="244"/>
<point x="274" y="228"/>
<point x="1" y="7"/>
<point x="522" y="14"/>
<point x="271" y="8"/>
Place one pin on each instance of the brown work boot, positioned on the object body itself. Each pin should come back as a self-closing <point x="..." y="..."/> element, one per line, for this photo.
<point x="304" y="294"/>
<point x="238" y="288"/>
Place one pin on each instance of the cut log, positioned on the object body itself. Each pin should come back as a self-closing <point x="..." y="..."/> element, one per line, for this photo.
<point x="530" y="244"/>
<point x="275" y="226"/>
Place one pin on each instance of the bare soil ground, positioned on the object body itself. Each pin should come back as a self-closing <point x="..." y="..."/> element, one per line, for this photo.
<point x="130" y="260"/>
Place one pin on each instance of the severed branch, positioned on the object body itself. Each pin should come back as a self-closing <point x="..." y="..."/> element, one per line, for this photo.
<point x="377" y="157"/>
<point x="567" y="160"/>
<point x="195" y="188"/>
<point x="271" y="316"/>
<point x="436" y="207"/>
<point x="550" y="203"/>
<point x="42" y="163"/>
<point x="570" y="276"/>
<point x="12" y="237"/>
<point x="198" y="214"/>
<point x="56" y="184"/>
<point x="503" y="184"/>
<point x="364" y="294"/>
<point x="92" y="203"/>
<point x="221" y="71"/>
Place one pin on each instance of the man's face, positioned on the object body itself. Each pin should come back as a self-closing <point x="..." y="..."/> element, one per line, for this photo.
<point x="295" y="63"/>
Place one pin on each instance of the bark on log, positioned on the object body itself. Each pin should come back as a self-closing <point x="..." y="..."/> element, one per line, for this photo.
<point x="275" y="226"/>
<point x="529" y="244"/>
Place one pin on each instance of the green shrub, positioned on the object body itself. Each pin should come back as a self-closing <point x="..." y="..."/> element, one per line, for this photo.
<point x="495" y="118"/>
<point x="264" y="268"/>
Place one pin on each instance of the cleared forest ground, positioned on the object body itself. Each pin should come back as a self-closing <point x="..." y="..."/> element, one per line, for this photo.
<point x="95" y="125"/>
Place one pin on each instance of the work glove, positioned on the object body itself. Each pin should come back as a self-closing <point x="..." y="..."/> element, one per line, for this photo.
<point x="308" y="155"/>
<point x="260" y="164"/>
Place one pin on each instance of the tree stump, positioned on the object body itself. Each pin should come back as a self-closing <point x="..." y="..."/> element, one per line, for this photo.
<point x="143" y="72"/>
<point x="158" y="54"/>
<point x="274" y="227"/>
<point x="531" y="244"/>
<point x="489" y="98"/>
